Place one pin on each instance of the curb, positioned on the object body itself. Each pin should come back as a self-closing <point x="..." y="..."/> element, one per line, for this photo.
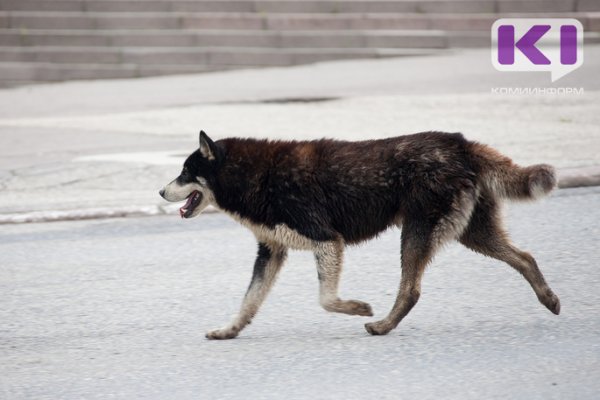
<point x="578" y="177"/>
<point x="567" y="178"/>
<point x="73" y="215"/>
<point x="91" y="213"/>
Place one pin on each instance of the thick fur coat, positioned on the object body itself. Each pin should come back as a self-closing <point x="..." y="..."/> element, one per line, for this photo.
<point x="322" y="195"/>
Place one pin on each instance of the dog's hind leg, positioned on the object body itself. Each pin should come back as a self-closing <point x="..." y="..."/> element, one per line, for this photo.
<point x="422" y="236"/>
<point x="329" y="257"/>
<point x="417" y="251"/>
<point x="485" y="235"/>
<point x="268" y="262"/>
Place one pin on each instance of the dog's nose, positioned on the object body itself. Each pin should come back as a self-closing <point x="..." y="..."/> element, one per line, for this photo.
<point x="161" y="192"/>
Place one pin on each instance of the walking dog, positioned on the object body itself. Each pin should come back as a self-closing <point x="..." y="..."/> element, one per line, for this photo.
<point x="325" y="194"/>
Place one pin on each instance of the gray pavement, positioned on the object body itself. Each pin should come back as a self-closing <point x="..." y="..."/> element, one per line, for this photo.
<point x="104" y="148"/>
<point x="118" y="309"/>
<point x="457" y="71"/>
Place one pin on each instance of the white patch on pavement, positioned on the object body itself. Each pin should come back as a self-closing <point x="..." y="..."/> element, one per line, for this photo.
<point x="152" y="158"/>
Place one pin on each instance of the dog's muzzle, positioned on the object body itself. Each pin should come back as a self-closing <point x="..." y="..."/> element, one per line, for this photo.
<point x="193" y="201"/>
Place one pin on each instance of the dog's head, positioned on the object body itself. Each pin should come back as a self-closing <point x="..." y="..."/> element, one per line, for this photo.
<point x="194" y="182"/>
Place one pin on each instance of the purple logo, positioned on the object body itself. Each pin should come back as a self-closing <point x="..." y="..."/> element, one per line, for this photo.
<point x="544" y="44"/>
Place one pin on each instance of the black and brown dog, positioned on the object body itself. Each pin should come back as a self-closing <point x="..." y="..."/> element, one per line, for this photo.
<point x="325" y="194"/>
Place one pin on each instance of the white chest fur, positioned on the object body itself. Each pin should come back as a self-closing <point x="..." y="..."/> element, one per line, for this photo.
<point x="280" y="234"/>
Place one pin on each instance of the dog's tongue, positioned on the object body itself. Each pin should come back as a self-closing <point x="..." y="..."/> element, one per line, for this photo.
<point x="187" y="205"/>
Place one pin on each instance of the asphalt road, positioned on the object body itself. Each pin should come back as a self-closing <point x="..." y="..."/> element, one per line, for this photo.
<point x="119" y="308"/>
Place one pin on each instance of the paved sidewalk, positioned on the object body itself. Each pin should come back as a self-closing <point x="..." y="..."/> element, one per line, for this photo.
<point x="104" y="148"/>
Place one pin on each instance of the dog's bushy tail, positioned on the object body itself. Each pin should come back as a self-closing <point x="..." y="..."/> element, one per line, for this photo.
<point x="500" y="176"/>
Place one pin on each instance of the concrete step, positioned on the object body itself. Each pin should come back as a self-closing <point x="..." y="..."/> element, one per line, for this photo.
<point x="53" y="40"/>
<point x="447" y="22"/>
<point x="270" y="39"/>
<point x="218" y="56"/>
<point x="220" y="38"/>
<point x="305" y="6"/>
<point x="252" y="21"/>
<point x="15" y="73"/>
<point x="96" y="43"/>
<point x="140" y="63"/>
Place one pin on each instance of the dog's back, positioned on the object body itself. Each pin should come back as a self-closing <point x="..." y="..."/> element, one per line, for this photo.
<point x="326" y="188"/>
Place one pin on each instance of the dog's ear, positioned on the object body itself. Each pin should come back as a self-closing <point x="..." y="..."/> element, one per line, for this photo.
<point x="207" y="146"/>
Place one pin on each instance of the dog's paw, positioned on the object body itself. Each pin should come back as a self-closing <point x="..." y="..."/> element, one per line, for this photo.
<point x="222" y="334"/>
<point x="350" y="307"/>
<point x="356" y="307"/>
<point x="552" y="302"/>
<point x="379" y="328"/>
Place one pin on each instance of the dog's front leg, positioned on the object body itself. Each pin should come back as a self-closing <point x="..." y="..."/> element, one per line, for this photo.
<point x="329" y="257"/>
<point x="268" y="262"/>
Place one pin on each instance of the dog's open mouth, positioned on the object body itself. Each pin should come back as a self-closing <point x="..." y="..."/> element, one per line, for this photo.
<point x="190" y="205"/>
